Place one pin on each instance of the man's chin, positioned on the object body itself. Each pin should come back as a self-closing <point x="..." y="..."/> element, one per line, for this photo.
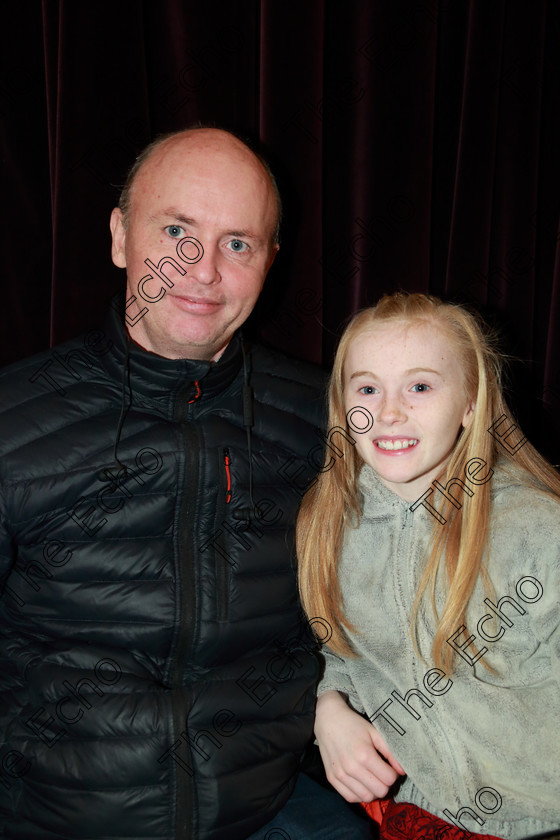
<point x="184" y="336"/>
<point x="207" y="346"/>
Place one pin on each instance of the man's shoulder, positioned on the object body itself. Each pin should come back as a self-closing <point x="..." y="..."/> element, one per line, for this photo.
<point x="46" y="392"/>
<point x="54" y="370"/>
<point x="290" y="385"/>
<point x="277" y="365"/>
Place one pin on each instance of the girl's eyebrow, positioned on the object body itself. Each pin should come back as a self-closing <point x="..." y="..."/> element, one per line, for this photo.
<point x="422" y="370"/>
<point x="406" y="373"/>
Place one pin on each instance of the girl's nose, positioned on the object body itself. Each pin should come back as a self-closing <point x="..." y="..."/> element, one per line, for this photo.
<point x="391" y="410"/>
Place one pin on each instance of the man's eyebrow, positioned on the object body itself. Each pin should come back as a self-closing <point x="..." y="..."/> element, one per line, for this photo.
<point x="243" y="234"/>
<point x="406" y="373"/>
<point x="175" y="214"/>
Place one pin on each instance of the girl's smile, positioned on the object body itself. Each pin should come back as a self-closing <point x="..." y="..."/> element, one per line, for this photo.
<point x="395" y="445"/>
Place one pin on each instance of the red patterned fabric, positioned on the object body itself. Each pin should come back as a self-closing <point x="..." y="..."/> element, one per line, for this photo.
<point x="403" y="821"/>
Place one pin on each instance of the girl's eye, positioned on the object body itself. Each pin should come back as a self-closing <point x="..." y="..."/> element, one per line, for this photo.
<point x="175" y="231"/>
<point x="367" y="389"/>
<point x="420" y="387"/>
<point x="238" y="246"/>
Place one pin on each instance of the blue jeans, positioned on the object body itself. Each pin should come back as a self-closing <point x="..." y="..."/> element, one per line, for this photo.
<point x="314" y="813"/>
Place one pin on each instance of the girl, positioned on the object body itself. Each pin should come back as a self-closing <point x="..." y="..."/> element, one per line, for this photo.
<point x="431" y="545"/>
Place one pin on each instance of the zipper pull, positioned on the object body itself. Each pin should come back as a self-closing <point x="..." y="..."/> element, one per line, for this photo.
<point x="227" y="464"/>
<point x="198" y="393"/>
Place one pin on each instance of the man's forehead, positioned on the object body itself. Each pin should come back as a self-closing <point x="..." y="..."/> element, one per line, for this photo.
<point x="204" y="148"/>
<point x="213" y="162"/>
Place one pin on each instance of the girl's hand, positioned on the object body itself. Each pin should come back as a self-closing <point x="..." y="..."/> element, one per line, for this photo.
<point x="350" y="747"/>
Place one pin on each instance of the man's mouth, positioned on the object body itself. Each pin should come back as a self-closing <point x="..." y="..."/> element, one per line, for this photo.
<point x="193" y="303"/>
<point x="195" y="299"/>
<point x="396" y="443"/>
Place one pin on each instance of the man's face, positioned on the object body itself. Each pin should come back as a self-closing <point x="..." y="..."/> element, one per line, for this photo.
<point x="409" y="379"/>
<point x="208" y="186"/>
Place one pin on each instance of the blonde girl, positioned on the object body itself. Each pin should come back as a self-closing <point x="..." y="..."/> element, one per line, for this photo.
<point x="431" y="545"/>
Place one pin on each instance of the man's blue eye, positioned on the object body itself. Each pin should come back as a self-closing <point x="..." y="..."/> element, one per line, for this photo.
<point x="421" y="385"/>
<point x="175" y="231"/>
<point x="238" y="246"/>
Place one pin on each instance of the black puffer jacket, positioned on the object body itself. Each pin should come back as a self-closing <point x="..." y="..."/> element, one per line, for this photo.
<point x="157" y="680"/>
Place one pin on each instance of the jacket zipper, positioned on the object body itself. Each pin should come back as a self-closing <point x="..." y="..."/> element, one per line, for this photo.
<point x="186" y="610"/>
<point x="184" y="784"/>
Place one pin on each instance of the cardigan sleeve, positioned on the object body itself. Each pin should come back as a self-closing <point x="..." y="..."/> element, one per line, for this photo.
<point x="539" y="586"/>
<point x="337" y="678"/>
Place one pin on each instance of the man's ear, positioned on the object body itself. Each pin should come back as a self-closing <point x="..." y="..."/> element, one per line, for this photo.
<point x="273" y="251"/>
<point x="118" y="233"/>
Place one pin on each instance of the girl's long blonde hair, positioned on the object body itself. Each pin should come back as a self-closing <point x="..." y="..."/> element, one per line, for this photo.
<point x="458" y="546"/>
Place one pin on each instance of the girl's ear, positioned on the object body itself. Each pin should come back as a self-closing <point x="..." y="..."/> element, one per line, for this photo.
<point x="468" y="415"/>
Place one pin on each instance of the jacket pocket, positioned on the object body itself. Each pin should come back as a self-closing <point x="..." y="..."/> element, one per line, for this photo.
<point x="221" y="556"/>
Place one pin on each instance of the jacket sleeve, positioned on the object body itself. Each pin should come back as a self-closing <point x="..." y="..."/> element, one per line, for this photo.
<point x="6" y="549"/>
<point x="13" y="765"/>
<point x="337" y="678"/>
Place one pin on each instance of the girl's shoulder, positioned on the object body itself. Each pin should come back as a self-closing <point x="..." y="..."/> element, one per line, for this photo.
<point x="524" y="545"/>
<point x="524" y="526"/>
<point x="514" y="491"/>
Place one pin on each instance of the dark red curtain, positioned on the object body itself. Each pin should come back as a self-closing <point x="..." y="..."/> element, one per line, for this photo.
<point x="416" y="144"/>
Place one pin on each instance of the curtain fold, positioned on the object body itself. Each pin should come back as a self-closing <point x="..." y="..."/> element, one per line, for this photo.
<point x="415" y="141"/>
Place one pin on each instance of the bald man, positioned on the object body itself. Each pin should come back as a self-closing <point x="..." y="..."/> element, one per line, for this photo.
<point x="157" y="675"/>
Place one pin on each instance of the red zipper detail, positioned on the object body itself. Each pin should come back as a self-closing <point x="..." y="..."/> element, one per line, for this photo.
<point x="198" y="393"/>
<point x="227" y="464"/>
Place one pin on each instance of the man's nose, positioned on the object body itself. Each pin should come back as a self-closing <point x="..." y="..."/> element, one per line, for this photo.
<point x="206" y="269"/>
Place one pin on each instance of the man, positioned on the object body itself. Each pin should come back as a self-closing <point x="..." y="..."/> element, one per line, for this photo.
<point x="157" y="677"/>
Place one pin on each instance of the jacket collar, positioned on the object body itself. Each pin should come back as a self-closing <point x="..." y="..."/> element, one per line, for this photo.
<point x="377" y="499"/>
<point x="155" y="376"/>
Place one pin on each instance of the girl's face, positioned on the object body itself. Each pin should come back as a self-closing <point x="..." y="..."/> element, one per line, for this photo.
<point x="408" y="378"/>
